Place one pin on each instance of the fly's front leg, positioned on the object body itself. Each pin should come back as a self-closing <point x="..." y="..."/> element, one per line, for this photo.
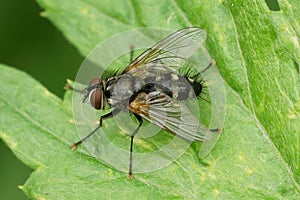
<point x="140" y="119"/>
<point x="106" y="116"/>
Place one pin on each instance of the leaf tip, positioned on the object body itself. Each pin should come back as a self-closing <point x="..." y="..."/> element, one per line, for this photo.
<point x="21" y="187"/>
<point x="43" y="14"/>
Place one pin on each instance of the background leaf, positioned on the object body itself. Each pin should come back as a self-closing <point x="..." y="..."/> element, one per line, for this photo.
<point x="257" y="52"/>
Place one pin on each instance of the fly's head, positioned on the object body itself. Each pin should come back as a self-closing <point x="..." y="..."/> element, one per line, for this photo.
<point x="95" y="94"/>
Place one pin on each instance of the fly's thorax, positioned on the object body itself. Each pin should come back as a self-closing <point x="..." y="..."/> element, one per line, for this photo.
<point x="120" y="89"/>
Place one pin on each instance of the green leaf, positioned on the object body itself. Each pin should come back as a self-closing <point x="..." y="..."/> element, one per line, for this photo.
<point x="257" y="156"/>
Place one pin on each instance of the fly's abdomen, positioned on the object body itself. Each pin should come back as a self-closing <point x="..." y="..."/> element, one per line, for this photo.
<point x="174" y="85"/>
<point x="184" y="88"/>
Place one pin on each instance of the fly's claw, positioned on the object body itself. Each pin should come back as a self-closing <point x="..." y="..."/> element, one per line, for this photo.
<point x="213" y="62"/>
<point x="130" y="176"/>
<point x="74" y="146"/>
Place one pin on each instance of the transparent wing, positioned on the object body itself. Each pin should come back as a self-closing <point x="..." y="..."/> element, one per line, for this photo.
<point x="169" y="114"/>
<point x="172" y="51"/>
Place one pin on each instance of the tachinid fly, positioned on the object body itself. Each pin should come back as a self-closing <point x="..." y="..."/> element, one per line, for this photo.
<point x="152" y="87"/>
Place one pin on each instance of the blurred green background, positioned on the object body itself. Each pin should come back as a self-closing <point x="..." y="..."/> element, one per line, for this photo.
<point x="32" y="44"/>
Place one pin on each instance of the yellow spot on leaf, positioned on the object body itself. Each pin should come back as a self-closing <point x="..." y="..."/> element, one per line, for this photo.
<point x="216" y="192"/>
<point x="84" y="11"/>
<point x="109" y="172"/>
<point x="295" y="41"/>
<point x="12" y="144"/>
<point x="43" y="14"/>
<point x="241" y="157"/>
<point x="47" y="93"/>
<point x="292" y="116"/>
<point x="250" y="170"/>
<point x="143" y="143"/>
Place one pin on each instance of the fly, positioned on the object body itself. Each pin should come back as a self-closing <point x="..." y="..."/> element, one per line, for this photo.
<point x="151" y="88"/>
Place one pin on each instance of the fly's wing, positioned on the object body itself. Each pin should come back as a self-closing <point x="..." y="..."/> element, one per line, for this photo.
<point x="169" y="114"/>
<point x="172" y="51"/>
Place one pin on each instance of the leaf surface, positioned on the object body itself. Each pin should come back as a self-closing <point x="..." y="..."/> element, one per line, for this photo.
<point x="257" y="156"/>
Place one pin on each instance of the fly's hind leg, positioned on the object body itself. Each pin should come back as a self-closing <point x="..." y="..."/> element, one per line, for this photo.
<point x="131" y="53"/>
<point x="140" y="119"/>
<point x="212" y="63"/>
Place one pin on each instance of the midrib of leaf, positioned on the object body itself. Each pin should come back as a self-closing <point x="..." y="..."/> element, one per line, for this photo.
<point x="243" y="66"/>
<point x="254" y="110"/>
<point x="251" y="112"/>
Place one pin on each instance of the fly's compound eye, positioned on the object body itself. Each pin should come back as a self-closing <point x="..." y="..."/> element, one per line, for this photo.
<point x="96" y="98"/>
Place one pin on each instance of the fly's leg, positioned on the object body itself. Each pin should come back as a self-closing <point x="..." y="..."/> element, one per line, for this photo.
<point x="106" y="116"/>
<point x="140" y="119"/>
<point x="131" y="53"/>
<point x="216" y="130"/>
<point x="212" y="63"/>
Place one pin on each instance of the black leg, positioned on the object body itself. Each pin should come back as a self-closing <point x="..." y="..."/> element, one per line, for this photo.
<point x="106" y="116"/>
<point x="212" y="63"/>
<point x="131" y="53"/>
<point x="130" y="175"/>
<point x="216" y="130"/>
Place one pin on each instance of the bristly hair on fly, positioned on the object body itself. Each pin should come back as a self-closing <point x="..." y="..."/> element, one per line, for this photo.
<point x="196" y="80"/>
<point x="115" y="69"/>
